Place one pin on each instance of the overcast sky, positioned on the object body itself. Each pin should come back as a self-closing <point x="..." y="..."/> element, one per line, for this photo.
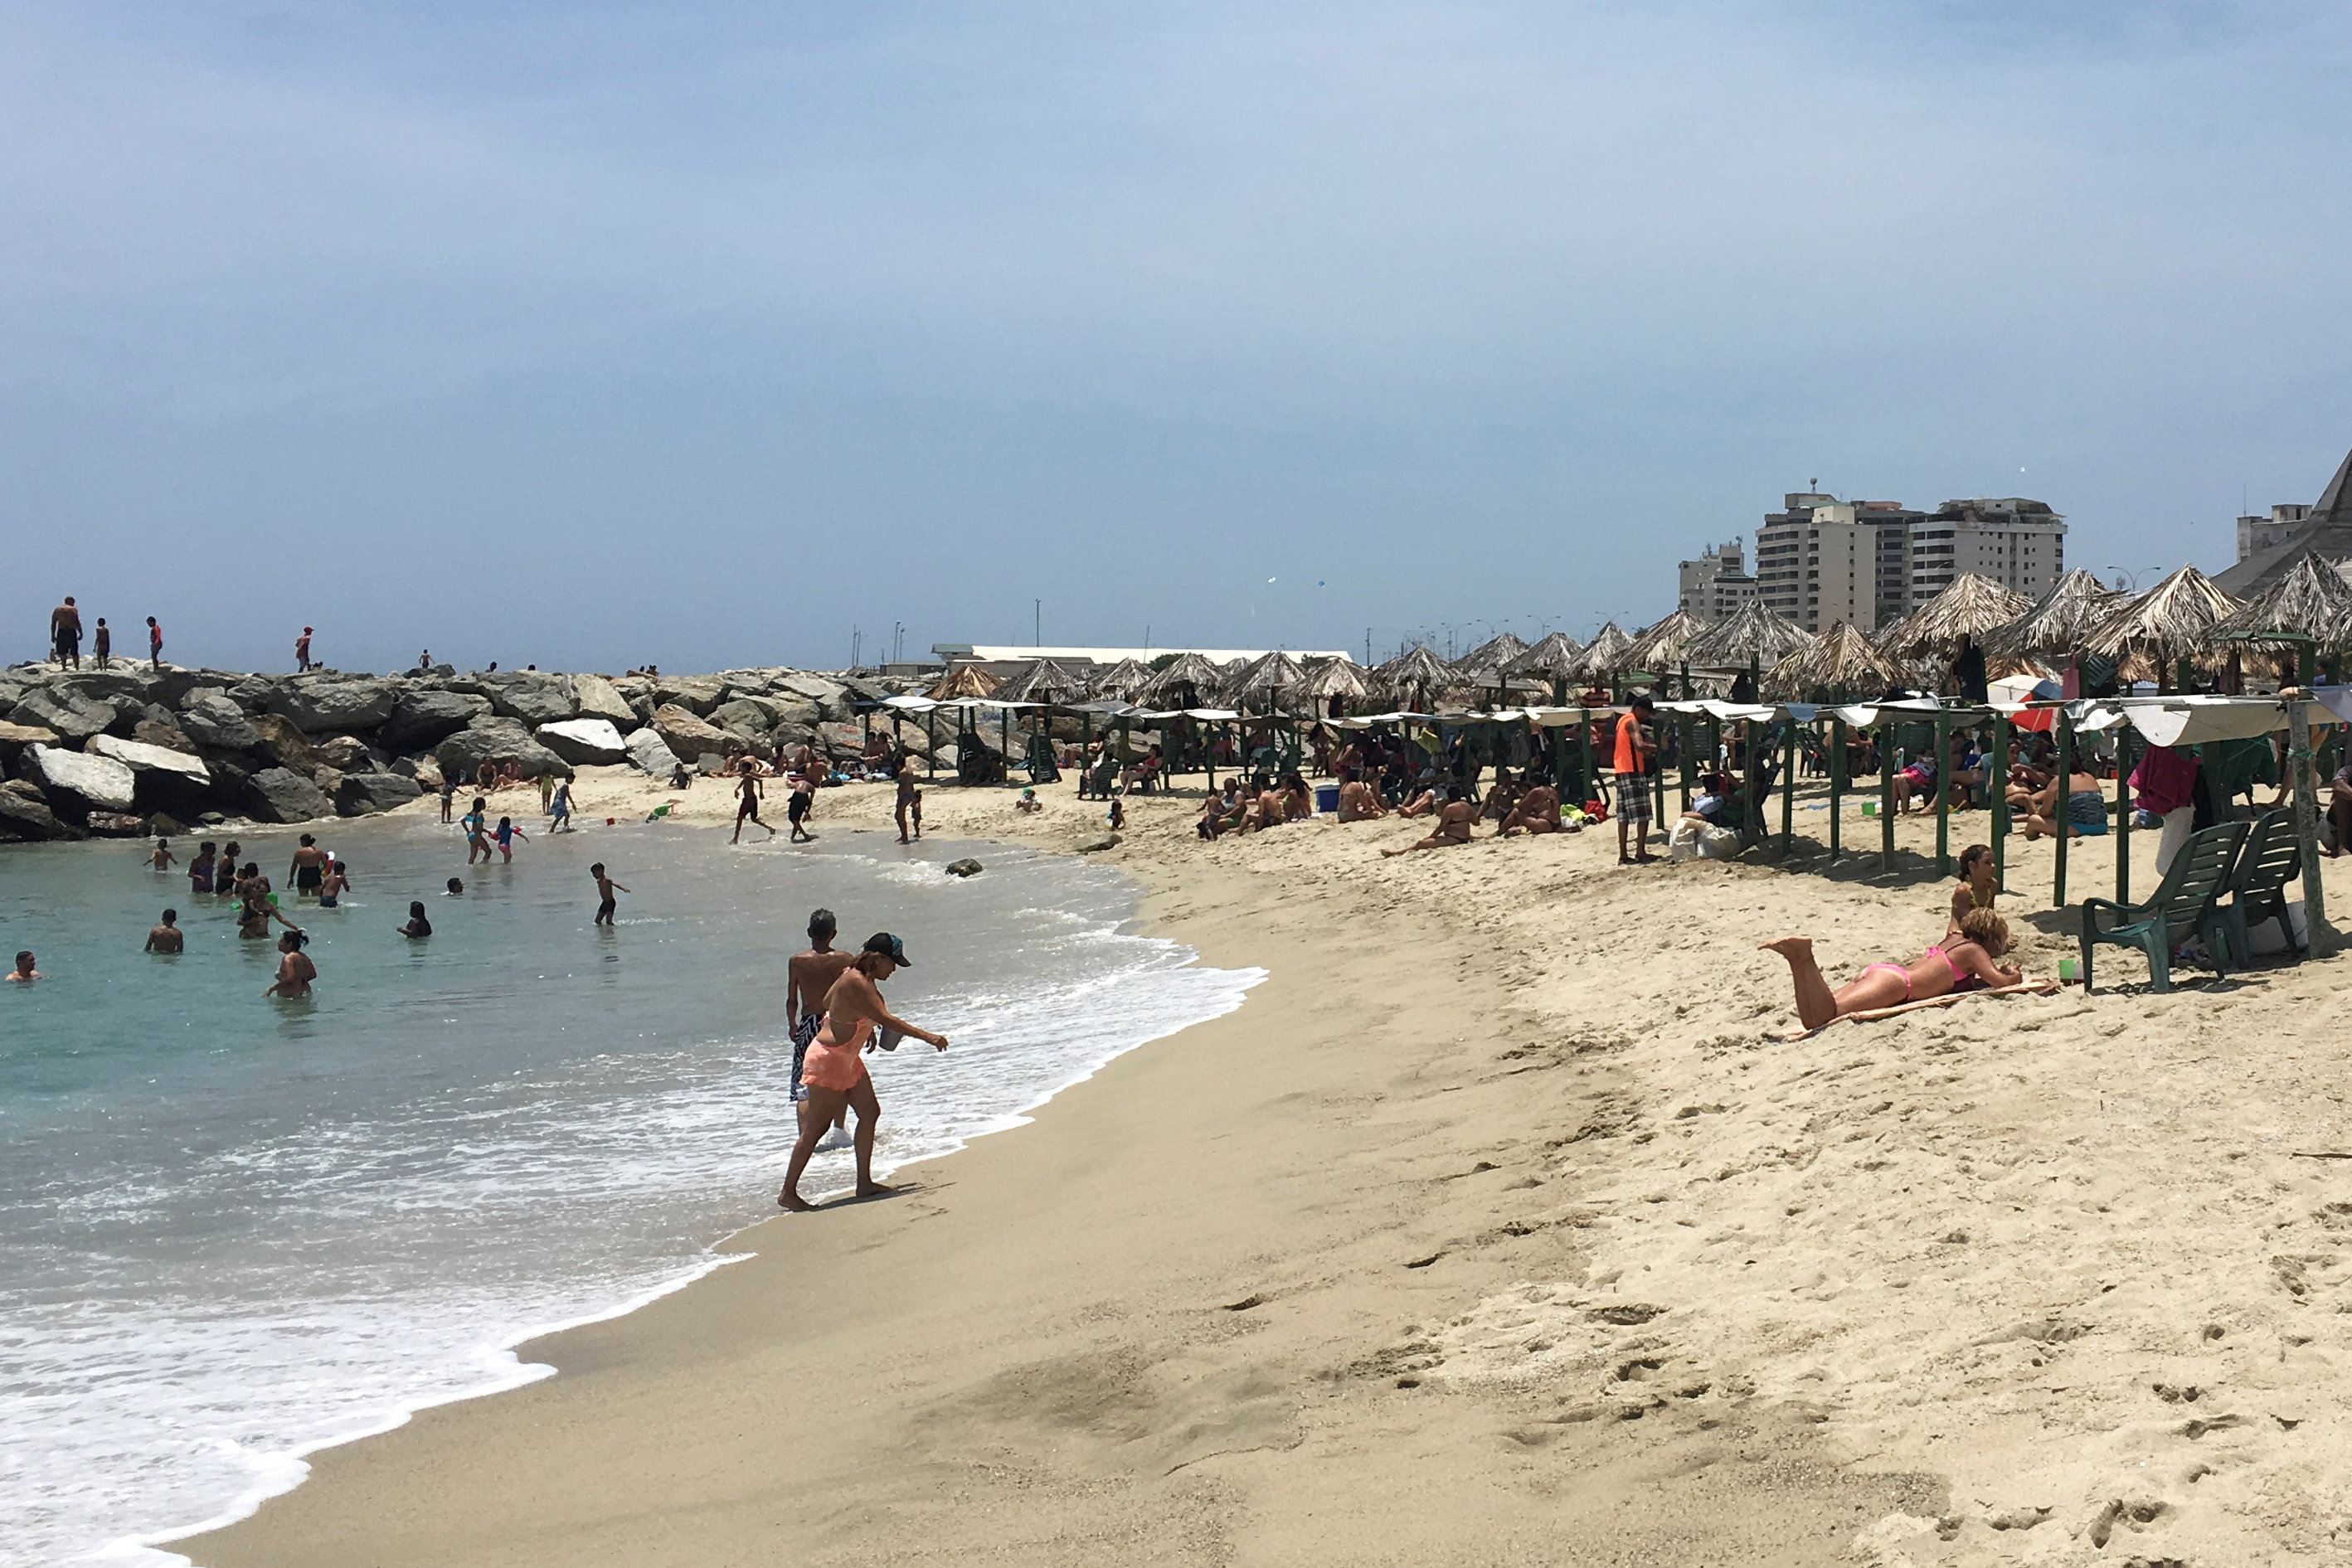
<point x="703" y="334"/>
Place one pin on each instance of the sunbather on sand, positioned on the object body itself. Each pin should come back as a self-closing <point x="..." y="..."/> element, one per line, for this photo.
<point x="1358" y="803"/>
<point x="1452" y="826"/>
<point x="1421" y="805"/>
<point x="1940" y="971"/>
<point x="1537" y="811"/>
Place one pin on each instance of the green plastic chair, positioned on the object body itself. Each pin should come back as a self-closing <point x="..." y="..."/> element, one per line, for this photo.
<point x="2271" y="858"/>
<point x="2182" y="906"/>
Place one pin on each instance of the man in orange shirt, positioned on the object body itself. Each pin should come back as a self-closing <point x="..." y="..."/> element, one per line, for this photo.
<point x="1635" y="752"/>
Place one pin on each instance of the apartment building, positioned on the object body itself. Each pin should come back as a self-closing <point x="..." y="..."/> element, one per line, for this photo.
<point x="2256" y="534"/>
<point x="1821" y="560"/>
<point x="1716" y="585"/>
<point x="2019" y="543"/>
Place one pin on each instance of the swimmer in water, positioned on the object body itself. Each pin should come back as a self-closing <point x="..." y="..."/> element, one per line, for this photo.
<point x="167" y="937"/>
<point x="162" y="859"/>
<point x="506" y="834"/>
<point x="23" y="971"/>
<point x="605" y="888"/>
<point x="295" y="970"/>
<point x="417" y="924"/>
<point x="457" y="888"/>
<point x="339" y="882"/>
<point x="309" y="868"/>
<point x="200" y="869"/>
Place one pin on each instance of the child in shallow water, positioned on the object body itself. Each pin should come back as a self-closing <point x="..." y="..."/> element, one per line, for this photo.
<point x="332" y="885"/>
<point x="417" y="924"/>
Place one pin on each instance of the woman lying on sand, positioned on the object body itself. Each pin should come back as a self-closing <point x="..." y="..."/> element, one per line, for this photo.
<point x="1941" y="970"/>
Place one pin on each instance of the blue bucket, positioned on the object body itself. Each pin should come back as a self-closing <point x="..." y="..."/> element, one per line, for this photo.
<point x="1326" y="798"/>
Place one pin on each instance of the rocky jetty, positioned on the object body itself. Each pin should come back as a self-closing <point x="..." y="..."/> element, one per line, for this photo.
<point x="129" y="750"/>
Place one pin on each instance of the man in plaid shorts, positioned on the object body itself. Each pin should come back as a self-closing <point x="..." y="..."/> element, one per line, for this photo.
<point x="1636" y="755"/>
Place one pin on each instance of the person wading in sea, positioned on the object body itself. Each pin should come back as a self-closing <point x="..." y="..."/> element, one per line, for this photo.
<point x="807" y="978"/>
<point x="835" y="1067"/>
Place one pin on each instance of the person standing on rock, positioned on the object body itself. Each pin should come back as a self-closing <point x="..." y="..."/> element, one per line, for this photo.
<point x="155" y="644"/>
<point x="101" y="642"/>
<point x="65" y="633"/>
<point x="302" y="652"/>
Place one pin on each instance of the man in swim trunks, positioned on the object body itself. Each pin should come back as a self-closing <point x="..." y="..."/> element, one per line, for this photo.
<point x="1938" y="972"/>
<point x="166" y="937"/>
<point x="910" y="798"/>
<point x="309" y="868"/>
<point x="605" y="888"/>
<point x="747" y="804"/>
<point x="24" y="972"/>
<point x="834" y="1068"/>
<point x="162" y="859"/>
<point x="65" y="633"/>
<point x="796" y="810"/>
<point x="1453" y="825"/>
<point x="807" y="977"/>
<point x="1634" y="750"/>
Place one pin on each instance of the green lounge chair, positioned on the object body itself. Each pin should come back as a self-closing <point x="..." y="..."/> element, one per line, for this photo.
<point x="2182" y="906"/>
<point x="2271" y="858"/>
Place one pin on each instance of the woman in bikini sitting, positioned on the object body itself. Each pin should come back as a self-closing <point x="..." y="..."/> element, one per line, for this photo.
<point x="1955" y="965"/>
<point x="834" y="1072"/>
<point x="1977" y="889"/>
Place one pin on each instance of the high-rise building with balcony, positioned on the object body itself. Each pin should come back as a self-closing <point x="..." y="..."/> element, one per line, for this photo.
<point x="1716" y="585"/>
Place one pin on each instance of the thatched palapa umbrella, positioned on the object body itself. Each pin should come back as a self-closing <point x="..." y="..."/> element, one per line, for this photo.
<point x="1416" y="672"/>
<point x="1839" y="664"/>
<point x="1554" y="657"/>
<point x="1486" y="664"/>
<point x="1605" y="655"/>
<point x="1268" y="675"/>
<point x="1758" y="637"/>
<point x="1183" y="683"/>
<point x="2169" y="623"/>
<point x="1970" y="606"/>
<point x="965" y="681"/>
<point x="2311" y="601"/>
<point x="1665" y="645"/>
<point x="2061" y="621"/>
<point x="1341" y="677"/>
<point x="1122" y="680"/>
<point x="1041" y="681"/>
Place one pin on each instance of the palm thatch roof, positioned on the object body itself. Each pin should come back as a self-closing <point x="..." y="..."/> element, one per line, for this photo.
<point x="1183" y="683"/>
<point x="965" y="681"/>
<point x="2310" y="599"/>
<point x="2169" y="621"/>
<point x="1122" y="680"/>
<point x="2060" y="621"/>
<point x="1840" y="662"/>
<point x="1555" y="654"/>
<point x="1486" y="664"/>
<point x="1605" y="655"/>
<point x="1041" y="681"/>
<point x="1970" y="606"/>
<point x="1757" y="634"/>
<point x="1662" y="645"/>
<point x="1275" y="671"/>
<point x="1415" y="670"/>
<point x="1339" y="677"/>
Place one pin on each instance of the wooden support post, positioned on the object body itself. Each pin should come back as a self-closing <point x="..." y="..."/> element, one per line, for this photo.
<point x="2306" y="824"/>
<point x="1886" y="798"/>
<point x="1584" y="734"/>
<point x="2058" y="806"/>
<point x="1943" y="793"/>
<point x="1837" y="779"/>
<point x="1997" y="775"/>
<point x="1789" y="788"/>
<point x="2122" y="813"/>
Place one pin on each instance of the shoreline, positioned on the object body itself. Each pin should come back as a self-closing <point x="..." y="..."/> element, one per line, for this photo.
<point x="1506" y="1198"/>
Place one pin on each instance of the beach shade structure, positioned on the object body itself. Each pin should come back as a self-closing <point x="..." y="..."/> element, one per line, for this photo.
<point x="1604" y="656"/>
<point x="1840" y="663"/>
<point x="1553" y="658"/>
<point x="1664" y="644"/>
<point x="1268" y="676"/>
<point x="1416" y="673"/>
<point x="1041" y="681"/>
<point x="2307" y="607"/>
<point x="1185" y="683"/>
<point x="964" y="681"/>
<point x="1341" y="677"/>
<point x="1758" y="637"/>
<point x="1121" y="681"/>
<point x="1970" y="606"/>
<point x="2169" y="624"/>
<point x="1486" y="664"/>
<point x="2059" y="622"/>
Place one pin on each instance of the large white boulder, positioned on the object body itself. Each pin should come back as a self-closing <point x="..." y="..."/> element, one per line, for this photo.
<point x="583" y="742"/>
<point x="142" y="758"/>
<point x="100" y="783"/>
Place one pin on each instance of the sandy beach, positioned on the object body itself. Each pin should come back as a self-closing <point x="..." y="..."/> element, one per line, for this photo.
<point x="1500" y="1225"/>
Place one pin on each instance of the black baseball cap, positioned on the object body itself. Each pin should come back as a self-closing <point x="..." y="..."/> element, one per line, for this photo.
<point x="890" y="947"/>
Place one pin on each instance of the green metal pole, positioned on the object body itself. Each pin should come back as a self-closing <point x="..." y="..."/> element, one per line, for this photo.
<point x="2307" y="825"/>
<point x="1943" y="793"/>
<point x="2122" y="813"/>
<point x="931" y="740"/>
<point x="1683" y="744"/>
<point x="1086" y="745"/>
<point x="2058" y="805"/>
<point x="1997" y="775"/>
<point x="1789" y="788"/>
<point x="1886" y="798"/>
<point x="1837" y="778"/>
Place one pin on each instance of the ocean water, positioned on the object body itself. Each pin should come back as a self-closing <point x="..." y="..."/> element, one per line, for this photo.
<point x="233" y="1229"/>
